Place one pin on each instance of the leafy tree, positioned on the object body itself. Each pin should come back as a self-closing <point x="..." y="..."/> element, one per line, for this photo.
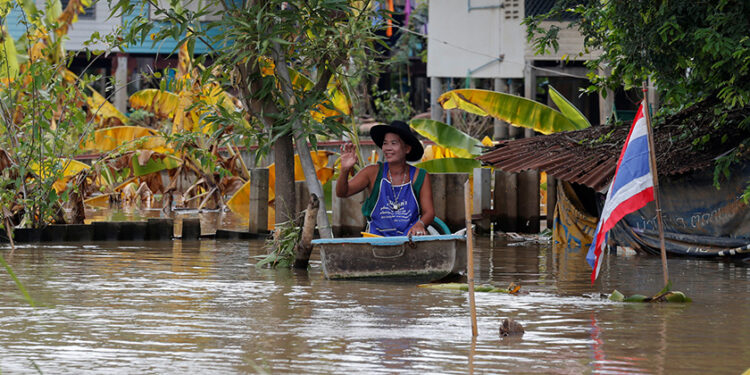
<point x="42" y="115"/>
<point x="691" y="49"/>
<point x="259" y="49"/>
<point x="694" y="51"/>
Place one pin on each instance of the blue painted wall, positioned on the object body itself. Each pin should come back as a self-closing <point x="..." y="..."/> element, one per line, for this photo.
<point x="82" y="30"/>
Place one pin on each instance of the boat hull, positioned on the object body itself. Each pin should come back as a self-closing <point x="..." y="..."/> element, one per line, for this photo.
<point x="424" y="257"/>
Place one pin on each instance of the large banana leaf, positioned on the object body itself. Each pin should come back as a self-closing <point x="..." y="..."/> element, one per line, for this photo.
<point x="71" y="168"/>
<point x="239" y="203"/>
<point x="162" y="104"/>
<point x="154" y="163"/>
<point x="460" y="143"/>
<point x="512" y="109"/>
<point x="8" y="56"/>
<point x="100" y="107"/>
<point x="139" y="138"/>
<point x="450" y="165"/>
<point x="568" y="109"/>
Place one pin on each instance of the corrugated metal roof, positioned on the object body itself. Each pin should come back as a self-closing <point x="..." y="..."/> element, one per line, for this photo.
<point x="589" y="156"/>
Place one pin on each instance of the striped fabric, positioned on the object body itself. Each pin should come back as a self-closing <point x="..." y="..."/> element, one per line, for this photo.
<point x="631" y="188"/>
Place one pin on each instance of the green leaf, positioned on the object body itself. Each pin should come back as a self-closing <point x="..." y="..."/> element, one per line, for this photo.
<point x="512" y="109"/>
<point x="636" y="298"/>
<point x="154" y="165"/>
<point x="616" y="296"/>
<point x="8" y="56"/>
<point x="568" y="109"/>
<point x="450" y="165"/>
<point x="444" y="135"/>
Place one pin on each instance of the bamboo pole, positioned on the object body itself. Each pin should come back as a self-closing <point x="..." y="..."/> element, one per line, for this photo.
<point x="655" y="176"/>
<point x="470" y="257"/>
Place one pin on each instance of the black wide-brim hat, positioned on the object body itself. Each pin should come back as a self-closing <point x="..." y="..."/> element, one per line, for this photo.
<point x="378" y="132"/>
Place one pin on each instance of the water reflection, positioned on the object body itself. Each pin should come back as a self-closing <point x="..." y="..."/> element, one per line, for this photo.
<point x="202" y="306"/>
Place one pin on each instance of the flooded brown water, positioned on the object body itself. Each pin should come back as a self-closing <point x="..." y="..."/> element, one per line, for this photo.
<point x="203" y="307"/>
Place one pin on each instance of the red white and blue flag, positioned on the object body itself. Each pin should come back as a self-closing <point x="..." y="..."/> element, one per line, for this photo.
<point x="631" y="188"/>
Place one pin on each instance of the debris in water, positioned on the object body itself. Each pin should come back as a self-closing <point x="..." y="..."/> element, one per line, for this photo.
<point x="510" y="327"/>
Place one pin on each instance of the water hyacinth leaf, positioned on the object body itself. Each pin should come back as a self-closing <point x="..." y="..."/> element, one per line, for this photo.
<point x="512" y="109"/>
<point x="460" y="143"/>
<point x="616" y="296"/>
<point x="636" y="298"/>
<point x="450" y="165"/>
<point x="568" y="109"/>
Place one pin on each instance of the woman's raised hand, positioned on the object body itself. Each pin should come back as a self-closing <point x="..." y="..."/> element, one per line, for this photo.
<point x="348" y="156"/>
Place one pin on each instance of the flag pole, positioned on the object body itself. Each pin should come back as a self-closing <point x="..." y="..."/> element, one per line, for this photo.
<point x="655" y="176"/>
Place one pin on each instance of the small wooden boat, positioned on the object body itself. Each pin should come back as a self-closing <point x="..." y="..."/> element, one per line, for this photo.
<point x="425" y="257"/>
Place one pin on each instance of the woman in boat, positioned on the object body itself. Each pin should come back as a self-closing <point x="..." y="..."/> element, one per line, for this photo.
<point x="400" y="202"/>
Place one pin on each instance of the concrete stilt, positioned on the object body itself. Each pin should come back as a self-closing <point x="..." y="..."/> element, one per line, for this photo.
<point x="436" y="89"/>
<point x="121" y="82"/>
<point x="606" y="104"/>
<point x="258" y="200"/>
<point x="500" y="129"/>
<point x="515" y="132"/>
<point x="529" y="90"/>
<point x="528" y="201"/>
<point x="551" y="200"/>
<point x="506" y="200"/>
<point x="481" y="200"/>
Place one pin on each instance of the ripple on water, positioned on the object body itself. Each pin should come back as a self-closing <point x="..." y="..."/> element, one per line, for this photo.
<point x="203" y="307"/>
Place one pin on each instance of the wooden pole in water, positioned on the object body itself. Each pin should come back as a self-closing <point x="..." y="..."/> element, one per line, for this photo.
<point x="655" y="176"/>
<point x="470" y="257"/>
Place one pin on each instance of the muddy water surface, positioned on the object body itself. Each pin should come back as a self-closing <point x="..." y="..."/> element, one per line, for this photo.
<point x="202" y="307"/>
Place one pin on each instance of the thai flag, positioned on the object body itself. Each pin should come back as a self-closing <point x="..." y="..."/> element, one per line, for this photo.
<point x="631" y="188"/>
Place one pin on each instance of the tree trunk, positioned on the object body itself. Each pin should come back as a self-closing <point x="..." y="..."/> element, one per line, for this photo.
<point x="283" y="152"/>
<point x="311" y="178"/>
<point x="313" y="184"/>
<point x="304" y="247"/>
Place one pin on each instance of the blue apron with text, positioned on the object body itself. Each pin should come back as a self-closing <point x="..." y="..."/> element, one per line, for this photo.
<point x="396" y="209"/>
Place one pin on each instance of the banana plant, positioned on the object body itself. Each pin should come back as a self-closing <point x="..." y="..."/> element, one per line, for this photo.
<point x="239" y="203"/>
<point x="515" y="110"/>
<point x="454" y="151"/>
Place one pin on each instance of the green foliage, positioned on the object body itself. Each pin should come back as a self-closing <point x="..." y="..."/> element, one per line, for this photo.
<point x="460" y="143"/>
<point x="390" y="105"/>
<point x="318" y="39"/>
<point x="281" y="246"/>
<point x="450" y="165"/>
<point x="691" y="49"/>
<point x="411" y="43"/>
<point x="665" y="295"/>
<point x="42" y="124"/>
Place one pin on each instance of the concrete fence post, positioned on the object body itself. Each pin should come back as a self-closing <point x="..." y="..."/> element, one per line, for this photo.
<point x="258" y="200"/>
